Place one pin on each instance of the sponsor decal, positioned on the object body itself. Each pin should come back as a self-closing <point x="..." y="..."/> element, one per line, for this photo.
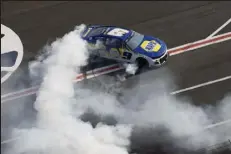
<point x="11" y="52"/>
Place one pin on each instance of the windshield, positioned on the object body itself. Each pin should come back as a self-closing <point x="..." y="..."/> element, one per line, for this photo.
<point x="135" y="40"/>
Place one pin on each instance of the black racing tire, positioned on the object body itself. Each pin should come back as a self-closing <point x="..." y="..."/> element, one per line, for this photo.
<point x="142" y="65"/>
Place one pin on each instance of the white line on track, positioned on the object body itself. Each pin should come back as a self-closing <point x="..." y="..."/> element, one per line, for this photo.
<point x="10" y="140"/>
<point x="217" y="124"/>
<point x="201" y="85"/>
<point x="200" y="44"/>
<point x="219" y="29"/>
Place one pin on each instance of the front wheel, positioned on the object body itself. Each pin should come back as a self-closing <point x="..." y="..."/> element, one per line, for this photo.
<point x="142" y="65"/>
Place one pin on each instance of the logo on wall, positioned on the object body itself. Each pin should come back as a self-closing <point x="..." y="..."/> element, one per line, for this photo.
<point x="11" y="52"/>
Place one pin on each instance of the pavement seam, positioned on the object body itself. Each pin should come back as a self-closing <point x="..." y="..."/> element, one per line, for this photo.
<point x="172" y="14"/>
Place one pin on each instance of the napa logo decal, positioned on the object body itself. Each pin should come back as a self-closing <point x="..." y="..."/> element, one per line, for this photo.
<point x="11" y="52"/>
<point x="151" y="46"/>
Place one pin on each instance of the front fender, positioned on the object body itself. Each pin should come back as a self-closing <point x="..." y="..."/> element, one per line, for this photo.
<point x="148" y="59"/>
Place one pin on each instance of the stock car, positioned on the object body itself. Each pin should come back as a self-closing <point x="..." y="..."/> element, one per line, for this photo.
<point x="125" y="45"/>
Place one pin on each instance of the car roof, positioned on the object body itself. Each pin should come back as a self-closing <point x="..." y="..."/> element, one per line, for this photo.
<point x="107" y="31"/>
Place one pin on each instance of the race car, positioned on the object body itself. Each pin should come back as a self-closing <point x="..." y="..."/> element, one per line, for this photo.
<point x="125" y="45"/>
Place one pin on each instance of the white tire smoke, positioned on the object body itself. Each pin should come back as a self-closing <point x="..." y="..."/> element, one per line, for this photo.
<point x="57" y="131"/>
<point x="60" y="130"/>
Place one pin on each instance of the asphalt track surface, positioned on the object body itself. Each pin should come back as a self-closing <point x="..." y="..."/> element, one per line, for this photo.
<point x="176" y="23"/>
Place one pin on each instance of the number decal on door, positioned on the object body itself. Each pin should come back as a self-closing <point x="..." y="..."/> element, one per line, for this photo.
<point x="127" y="55"/>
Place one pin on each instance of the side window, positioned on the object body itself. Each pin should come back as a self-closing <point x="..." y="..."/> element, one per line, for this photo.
<point x="127" y="47"/>
<point x="100" y="41"/>
<point x="113" y="42"/>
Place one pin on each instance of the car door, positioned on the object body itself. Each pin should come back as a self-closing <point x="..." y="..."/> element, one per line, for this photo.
<point x="118" y="51"/>
<point x="112" y="48"/>
<point x="115" y="49"/>
<point x="126" y="54"/>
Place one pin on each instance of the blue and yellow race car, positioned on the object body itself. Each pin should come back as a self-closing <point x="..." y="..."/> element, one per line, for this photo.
<point x="125" y="45"/>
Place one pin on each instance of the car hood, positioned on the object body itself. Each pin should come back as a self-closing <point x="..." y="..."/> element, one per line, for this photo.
<point x="151" y="47"/>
